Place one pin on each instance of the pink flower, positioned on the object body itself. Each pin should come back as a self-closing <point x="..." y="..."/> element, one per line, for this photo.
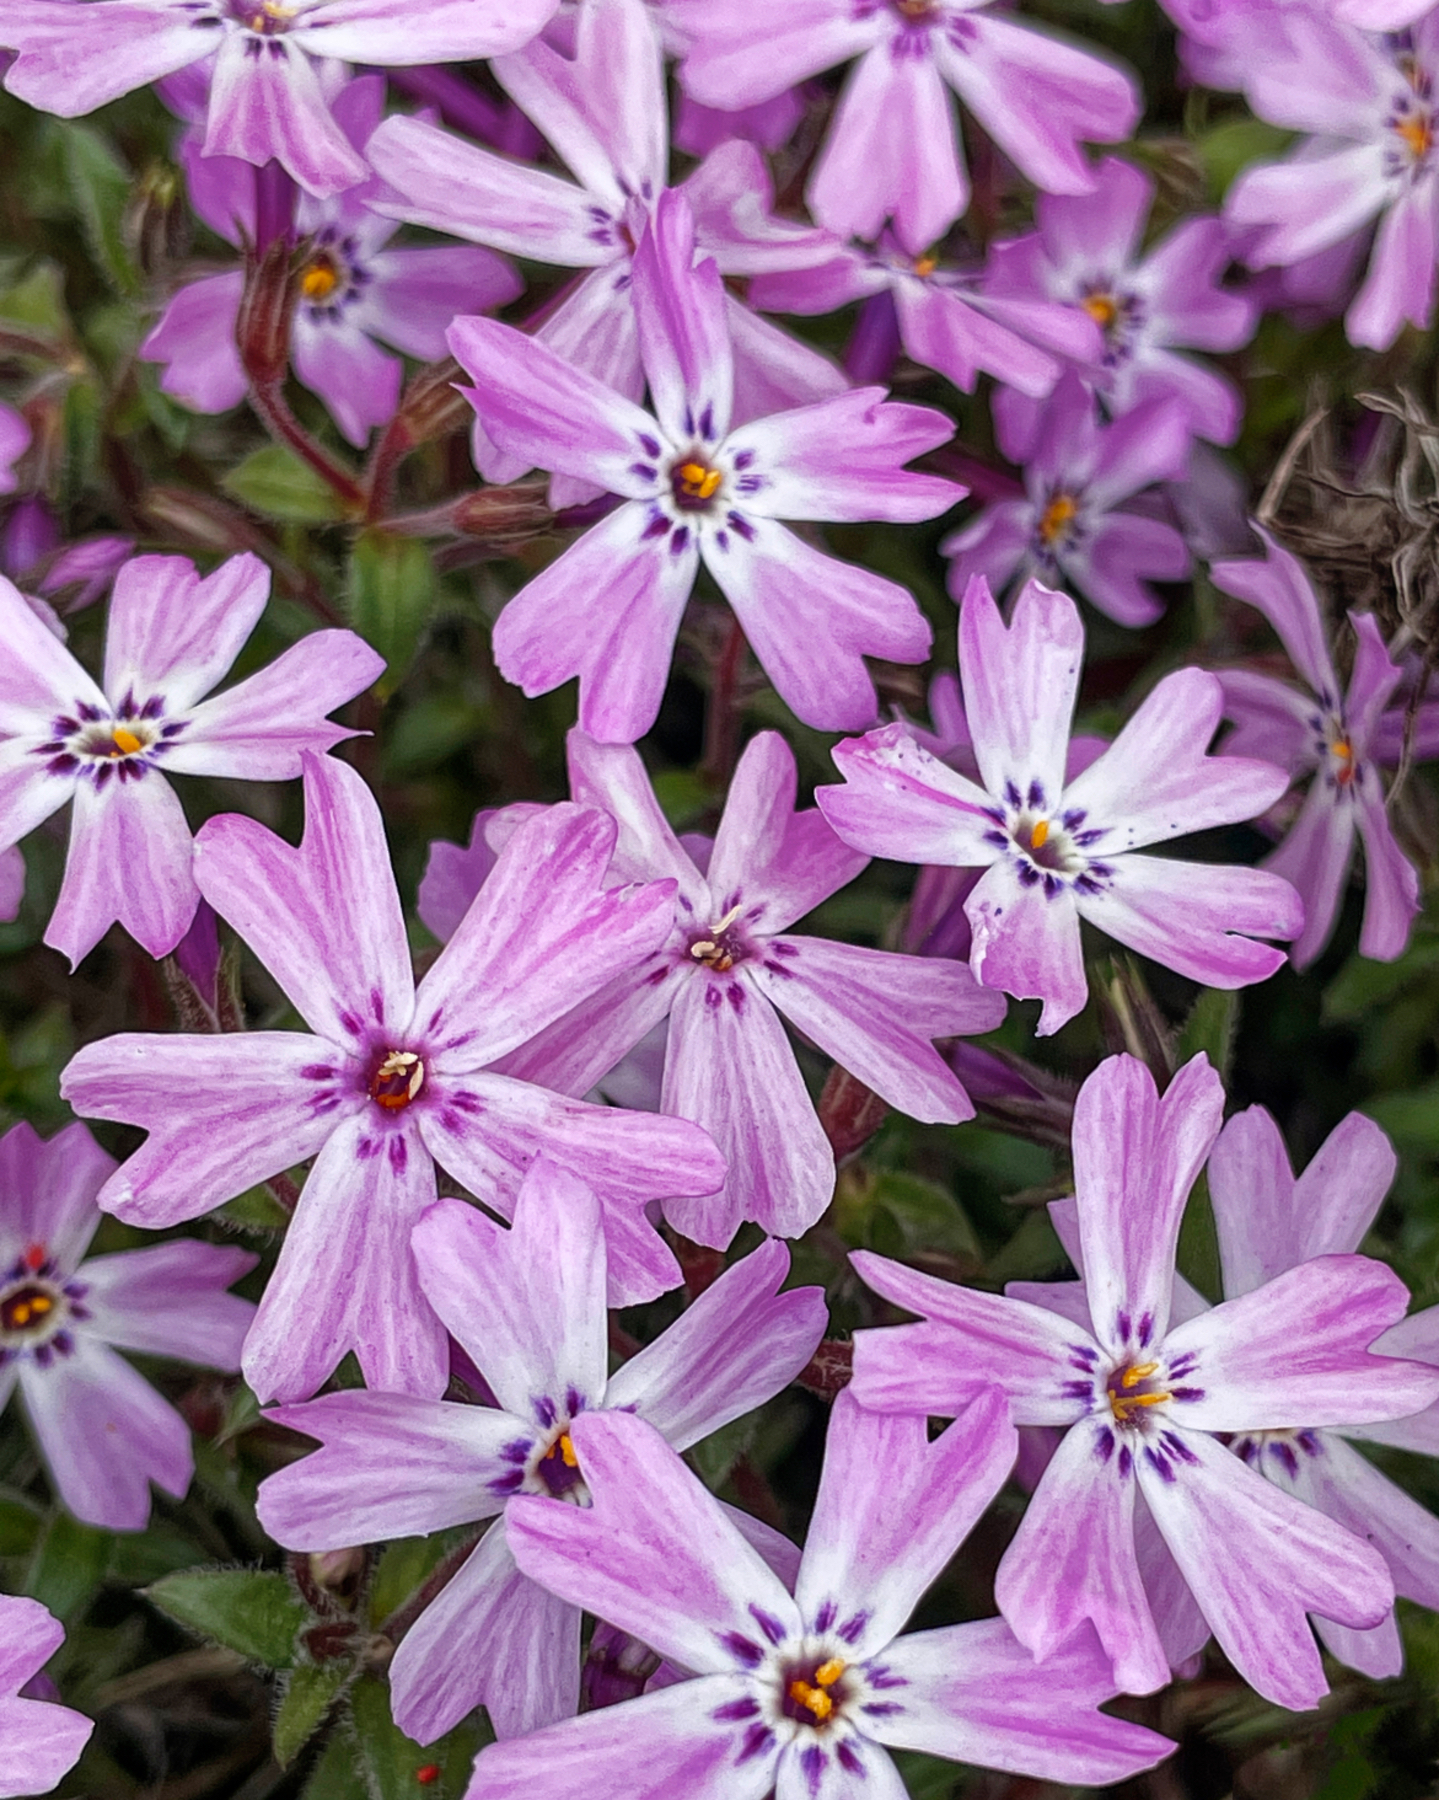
<point x="171" y="637"/>
<point x="892" y="151"/>
<point x="39" y="1742"/>
<point x="1055" y="849"/>
<point x="697" y="490"/>
<point x="276" y="67"/>
<point x="103" y="1430"/>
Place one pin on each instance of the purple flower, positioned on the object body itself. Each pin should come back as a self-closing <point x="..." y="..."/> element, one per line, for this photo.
<point x="1087" y="255"/>
<point x="695" y="490"/>
<point x="275" y="69"/>
<point x="14" y="442"/>
<point x="528" y="1307"/>
<point x="39" y="1742"/>
<point x="769" y="125"/>
<point x="892" y="151"/>
<point x="730" y="969"/>
<point x="171" y="637"/>
<point x="1055" y="850"/>
<point x="388" y="1080"/>
<point x="1073" y="524"/>
<point x="1369" y="102"/>
<point x="1268" y="1223"/>
<point x="1148" y="1403"/>
<point x="800" y="1695"/>
<point x="103" y="1430"/>
<point x="603" y="108"/>
<point x="1337" y="738"/>
<point x="352" y="290"/>
<point x="947" y="320"/>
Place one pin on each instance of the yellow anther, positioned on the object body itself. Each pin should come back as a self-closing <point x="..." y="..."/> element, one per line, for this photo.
<point x="1039" y="835"/>
<point x="320" y="280"/>
<point x="1417" y="132"/>
<point x="813" y="1699"/>
<point x="1102" y="308"/>
<point x="1057" y="516"/>
<point x="698" y="481"/>
<point x="125" y="741"/>
<point x="400" y="1066"/>
<point x="567" y="1451"/>
<point x="1140" y="1372"/>
<point x="702" y="948"/>
<point x="829" y="1672"/>
<point x="925" y="266"/>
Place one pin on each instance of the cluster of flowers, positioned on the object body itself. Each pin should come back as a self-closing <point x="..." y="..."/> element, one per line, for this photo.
<point x="1191" y="1468"/>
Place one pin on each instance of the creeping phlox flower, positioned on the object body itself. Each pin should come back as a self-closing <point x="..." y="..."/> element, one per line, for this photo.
<point x="892" y="150"/>
<point x="726" y="972"/>
<point x="946" y="318"/>
<point x="170" y="638"/>
<point x="1145" y="1399"/>
<point x="352" y="290"/>
<point x="1056" y="849"/>
<point x="1086" y="255"/>
<point x="1341" y="739"/>
<point x="1074" y="523"/>
<point x="528" y="1306"/>
<point x="275" y="67"/>
<point x="1370" y="101"/>
<point x="39" y="1741"/>
<point x="388" y="1079"/>
<point x="14" y="442"/>
<point x="12" y="883"/>
<point x="1268" y="1223"/>
<point x="104" y="1431"/>
<point x="695" y="490"/>
<point x="800" y="1695"/>
<point x="604" y="111"/>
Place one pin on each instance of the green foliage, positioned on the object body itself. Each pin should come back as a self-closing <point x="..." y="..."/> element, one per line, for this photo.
<point x="312" y="1689"/>
<point x="275" y="482"/>
<point x="253" y="1611"/>
<point x="392" y="592"/>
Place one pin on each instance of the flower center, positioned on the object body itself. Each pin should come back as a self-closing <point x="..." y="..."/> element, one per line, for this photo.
<point x="24" y="1309"/>
<point x="695" y="483"/>
<point x="1102" y="308"/>
<point x="559" y="1467"/>
<point x="115" y="740"/>
<point x="397" y="1080"/>
<point x="1132" y="1389"/>
<point x="813" y="1690"/>
<point x="1056" y="519"/>
<point x="925" y="266"/>
<point x="1047" y="844"/>
<point x="721" y="949"/>
<point x="320" y="279"/>
<point x="915" y="11"/>
<point x="264" y="17"/>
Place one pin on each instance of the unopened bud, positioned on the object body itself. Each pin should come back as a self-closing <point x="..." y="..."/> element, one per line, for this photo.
<point x="157" y="220"/>
<point x="339" y="1572"/>
<point x="262" y="331"/>
<point x="499" y="514"/>
<point x="432" y="405"/>
<point x="849" y="1112"/>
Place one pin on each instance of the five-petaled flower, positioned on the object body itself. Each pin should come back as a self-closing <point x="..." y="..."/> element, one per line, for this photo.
<point x="696" y="490"/>
<point x="1149" y="1401"/>
<point x="389" y="1080"/>
<point x="528" y="1307"/>
<point x="800" y="1691"/>
<point x="171" y="637"/>
<point x="104" y="1432"/>
<point x="1056" y="850"/>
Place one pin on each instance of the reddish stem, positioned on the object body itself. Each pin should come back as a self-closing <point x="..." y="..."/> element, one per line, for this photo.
<point x="722" y="717"/>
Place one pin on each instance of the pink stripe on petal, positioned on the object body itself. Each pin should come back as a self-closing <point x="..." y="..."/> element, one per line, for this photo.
<point x="680" y="313"/>
<point x="171" y="1301"/>
<point x="71" y="62"/>
<point x="1025" y="941"/>
<point x="272" y="106"/>
<point x="1020" y="682"/>
<point x="38" y="675"/>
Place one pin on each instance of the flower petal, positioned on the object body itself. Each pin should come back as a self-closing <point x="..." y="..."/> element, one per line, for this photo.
<point x="1257" y="1560"/>
<point x="681" y="316"/>
<point x="654" y="1553"/>
<point x="1280" y="587"/>
<point x="172" y="634"/>
<point x="899" y="800"/>
<point x="273" y="107"/>
<point x="875" y="1012"/>
<point x="222" y="1113"/>
<point x="51" y="1187"/>
<point x="730" y="1068"/>
<point x="388" y="1466"/>
<point x="105" y="1435"/>
<point x="324" y="919"/>
<point x="729" y="1351"/>
<point x="970" y="1340"/>
<point x="1025" y="941"/>
<point x="370" y="31"/>
<point x="171" y="1301"/>
<point x="1391" y="882"/>
<point x="1315" y="857"/>
<point x="195" y="340"/>
<point x="70" y="62"/>
<point x="346" y="1278"/>
<point x="893" y="1508"/>
<point x="1073" y="1559"/>
<point x="1020" y="684"/>
<point x="491" y="1637"/>
<point x="528" y="1304"/>
<point x="1295" y="1352"/>
<point x="975" y="1695"/>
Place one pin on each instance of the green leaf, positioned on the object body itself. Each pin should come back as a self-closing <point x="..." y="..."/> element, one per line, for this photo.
<point x="334" y="1775"/>
<point x="81" y="413"/>
<point x="312" y="1690"/>
<point x="274" y="481"/>
<point x="1412" y="1118"/>
<point x="20" y="1523"/>
<point x="1363" y="984"/>
<point x="1211" y="1027"/>
<point x="926" y="1777"/>
<point x="896" y="1212"/>
<point x="390" y="1764"/>
<point x="683" y="796"/>
<point x="256" y="1209"/>
<point x="253" y="1611"/>
<point x="71" y="1560"/>
<point x="38" y="301"/>
<point x="403" y="1566"/>
<point x="1235" y="144"/>
<point x="1198" y="1256"/>
<point x="392" y="593"/>
<point x="100" y="190"/>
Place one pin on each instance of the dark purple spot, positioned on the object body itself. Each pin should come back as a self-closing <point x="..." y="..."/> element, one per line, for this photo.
<point x="1159" y="1463"/>
<point x="743" y="1649"/>
<point x="825" y="1617"/>
<point x="738" y="522"/>
<point x="1104" y="1444"/>
<point x="399" y="1153"/>
<point x="757" y="1739"/>
<point x="848" y="1760"/>
<point x="813" y="1760"/>
<point x="1125" y="1463"/>
<point x="645" y="471"/>
<point x="853" y="1626"/>
<point x="767" y="1623"/>
<point x="651" y="445"/>
<point x="366" y="1149"/>
<point x="732" y="1710"/>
